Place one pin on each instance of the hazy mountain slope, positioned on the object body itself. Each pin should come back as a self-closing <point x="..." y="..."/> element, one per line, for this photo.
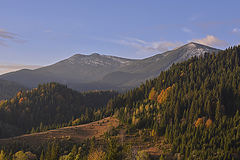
<point x="78" y="69"/>
<point x="152" y="66"/>
<point x="89" y="72"/>
<point x="9" y="89"/>
<point x="84" y="68"/>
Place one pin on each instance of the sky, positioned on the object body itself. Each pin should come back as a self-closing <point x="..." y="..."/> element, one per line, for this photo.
<point x="39" y="33"/>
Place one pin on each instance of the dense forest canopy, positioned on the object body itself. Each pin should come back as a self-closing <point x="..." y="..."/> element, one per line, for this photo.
<point x="195" y="104"/>
<point x="51" y="103"/>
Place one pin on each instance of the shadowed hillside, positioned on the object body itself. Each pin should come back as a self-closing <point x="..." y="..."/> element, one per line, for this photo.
<point x="51" y="104"/>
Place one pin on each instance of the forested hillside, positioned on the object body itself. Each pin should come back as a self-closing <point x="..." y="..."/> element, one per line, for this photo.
<point x="190" y="111"/>
<point x="50" y="104"/>
<point x="194" y="104"/>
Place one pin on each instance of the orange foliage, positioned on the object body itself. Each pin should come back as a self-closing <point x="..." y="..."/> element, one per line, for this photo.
<point x="162" y="97"/>
<point x="21" y="100"/>
<point x="208" y="123"/>
<point x="152" y="94"/>
<point x="199" y="122"/>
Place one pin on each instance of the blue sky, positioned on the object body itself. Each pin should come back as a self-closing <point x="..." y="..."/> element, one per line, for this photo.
<point x="43" y="32"/>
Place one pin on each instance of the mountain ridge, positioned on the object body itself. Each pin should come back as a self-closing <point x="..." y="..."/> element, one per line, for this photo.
<point x="101" y="70"/>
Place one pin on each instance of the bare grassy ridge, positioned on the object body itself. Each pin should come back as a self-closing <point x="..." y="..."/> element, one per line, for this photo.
<point x="77" y="133"/>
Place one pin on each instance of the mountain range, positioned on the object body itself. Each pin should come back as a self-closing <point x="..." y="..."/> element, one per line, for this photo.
<point x="189" y="111"/>
<point x="103" y="72"/>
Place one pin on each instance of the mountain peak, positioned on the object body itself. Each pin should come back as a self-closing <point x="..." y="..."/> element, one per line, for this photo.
<point x="194" y="49"/>
<point x="94" y="68"/>
<point x="198" y="45"/>
<point x="192" y="44"/>
<point x="95" y="54"/>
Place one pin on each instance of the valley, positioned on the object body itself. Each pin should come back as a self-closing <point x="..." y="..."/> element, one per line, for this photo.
<point x="119" y="80"/>
<point x="190" y="111"/>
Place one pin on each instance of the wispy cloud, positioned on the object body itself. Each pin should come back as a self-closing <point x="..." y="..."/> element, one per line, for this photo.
<point x="5" y="68"/>
<point x="236" y="30"/>
<point x="48" y="31"/>
<point x="8" y="36"/>
<point x="145" y="46"/>
<point x="211" y="40"/>
<point x="187" y="30"/>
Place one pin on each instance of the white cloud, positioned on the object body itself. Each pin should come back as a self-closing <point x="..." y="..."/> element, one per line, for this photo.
<point x="187" y="30"/>
<point x="5" y="68"/>
<point x="236" y="30"/>
<point x="144" y="46"/>
<point x="211" y="40"/>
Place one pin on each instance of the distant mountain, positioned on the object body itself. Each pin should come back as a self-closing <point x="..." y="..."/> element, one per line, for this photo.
<point x="8" y="89"/>
<point x="102" y="72"/>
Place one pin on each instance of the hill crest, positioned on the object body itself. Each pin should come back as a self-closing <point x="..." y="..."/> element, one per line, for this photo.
<point x="79" y="71"/>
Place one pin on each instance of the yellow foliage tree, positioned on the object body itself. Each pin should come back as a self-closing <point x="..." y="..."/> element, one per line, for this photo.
<point x="20" y="155"/>
<point x="125" y="110"/>
<point x="2" y="102"/>
<point x="133" y="119"/>
<point x="19" y="94"/>
<point x="3" y="155"/>
<point x="153" y="133"/>
<point x="142" y="155"/>
<point x="12" y="101"/>
<point x="152" y="94"/>
<point x="141" y="108"/>
<point x="137" y="111"/>
<point x="182" y="74"/>
<point x="76" y="121"/>
<point x="97" y="155"/>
